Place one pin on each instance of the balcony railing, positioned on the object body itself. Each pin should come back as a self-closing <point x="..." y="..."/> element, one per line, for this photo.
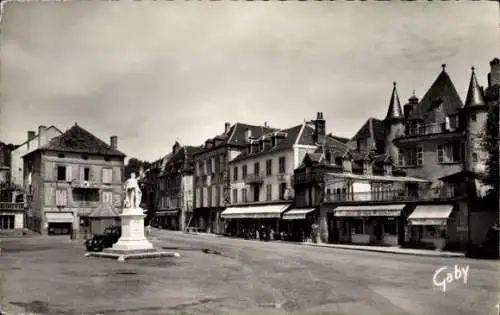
<point x="11" y="205"/>
<point x="398" y="195"/>
<point x="255" y="178"/>
<point x="429" y="129"/>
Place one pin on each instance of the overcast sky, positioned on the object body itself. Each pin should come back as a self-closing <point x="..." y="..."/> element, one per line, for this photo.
<point x="151" y="72"/>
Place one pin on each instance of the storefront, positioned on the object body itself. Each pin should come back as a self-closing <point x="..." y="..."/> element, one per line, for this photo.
<point x="370" y="224"/>
<point x="298" y="224"/>
<point x="430" y="226"/>
<point x="261" y="222"/>
<point x="167" y="219"/>
<point x="59" y="223"/>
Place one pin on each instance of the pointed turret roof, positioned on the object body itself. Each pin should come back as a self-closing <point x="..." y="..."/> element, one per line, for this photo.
<point x="474" y="94"/>
<point x="441" y="90"/>
<point x="394" y="111"/>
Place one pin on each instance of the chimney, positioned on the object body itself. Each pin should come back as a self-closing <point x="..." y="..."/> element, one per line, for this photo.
<point x="227" y="126"/>
<point x="42" y="135"/>
<point x="113" y="140"/>
<point x="494" y="75"/>
<point x="248" y="134"/>
<point x="31" y="135"/>
<point x="319" y="127"/>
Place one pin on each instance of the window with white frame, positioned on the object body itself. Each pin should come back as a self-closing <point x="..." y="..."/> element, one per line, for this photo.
<point x="449" y="153"/>
<point x="411" y="157"/>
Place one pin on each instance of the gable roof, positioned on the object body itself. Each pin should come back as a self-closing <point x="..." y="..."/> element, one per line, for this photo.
<point x="78" y="140"/>
<point x="444" y="90"/>
<point x="306" y="135"/>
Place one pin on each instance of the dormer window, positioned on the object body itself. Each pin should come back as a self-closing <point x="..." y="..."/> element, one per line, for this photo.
<point x="338" y="161"/>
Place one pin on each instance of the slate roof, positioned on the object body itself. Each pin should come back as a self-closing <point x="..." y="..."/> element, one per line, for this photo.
<point x="475" y="97"/>
<point x="394" y="111"/>
<point x="181" y="161"/>
<point x="292" y="134"/>
<point x="376" y="131"/>
<point x="235" y="136"/>
<point x="78" y="140"/>
<point x="341" y="139"/>
<point x="444" y="90"/>
<point x="105" y="210"/>
<point x="336" y="147"/>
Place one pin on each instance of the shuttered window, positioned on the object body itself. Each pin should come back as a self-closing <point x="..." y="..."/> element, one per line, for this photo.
<point x="61" y="198"/>
<point x="107" y="175"/>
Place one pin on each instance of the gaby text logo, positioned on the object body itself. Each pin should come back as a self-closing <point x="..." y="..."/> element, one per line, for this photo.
<point x="446" y="275"/>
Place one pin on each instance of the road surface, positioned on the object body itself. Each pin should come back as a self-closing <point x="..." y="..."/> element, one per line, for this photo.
<point x="217" y="275"/>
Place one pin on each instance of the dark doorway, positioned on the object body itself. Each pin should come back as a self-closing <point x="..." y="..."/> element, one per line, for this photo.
<point x="256" y="193"/>
<point x="60" y="228"/>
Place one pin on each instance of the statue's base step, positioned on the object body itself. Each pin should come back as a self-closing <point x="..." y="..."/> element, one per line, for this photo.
<point x="122" y="255"/>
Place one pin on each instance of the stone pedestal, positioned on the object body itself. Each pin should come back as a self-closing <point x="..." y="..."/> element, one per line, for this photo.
<point x="132" y="238"/>
<point x="132" y="243"/>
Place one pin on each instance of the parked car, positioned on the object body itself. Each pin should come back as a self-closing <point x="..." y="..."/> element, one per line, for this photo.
<point x="98" y="242"/>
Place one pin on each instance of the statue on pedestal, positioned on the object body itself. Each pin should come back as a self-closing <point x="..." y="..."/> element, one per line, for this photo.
<point x="133" y="193"/>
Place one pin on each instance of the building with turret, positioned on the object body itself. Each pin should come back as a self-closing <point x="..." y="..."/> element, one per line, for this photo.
<point x="412" y="179"/>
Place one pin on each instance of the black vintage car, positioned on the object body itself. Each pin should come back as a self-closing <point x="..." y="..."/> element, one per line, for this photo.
<point x="100" y="241"/>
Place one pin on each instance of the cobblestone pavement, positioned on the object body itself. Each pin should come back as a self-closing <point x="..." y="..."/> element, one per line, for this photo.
<point x="233" y="276"/>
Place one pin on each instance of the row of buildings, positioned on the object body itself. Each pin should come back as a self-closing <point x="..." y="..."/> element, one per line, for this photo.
<point x="410" y="179"/>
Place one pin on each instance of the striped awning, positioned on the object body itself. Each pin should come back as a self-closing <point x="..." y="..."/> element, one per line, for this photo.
<point x="430" y="215"/>
<point x="369" y="211"/>
<point x="297" y="213"/>
<point x="254" y="212"/>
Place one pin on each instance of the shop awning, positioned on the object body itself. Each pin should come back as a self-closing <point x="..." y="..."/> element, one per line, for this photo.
<point x="369" y="211"/>
<point x="297" y="213"/>
<point x="254" y="212"/>
<point x="166" y="213"/>
<point x="59" y="217"/>
<point x="430" y="215"/>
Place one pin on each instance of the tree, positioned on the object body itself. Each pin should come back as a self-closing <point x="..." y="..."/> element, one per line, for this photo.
<point x="490" y="144"/>
<point x="134" y="165"/>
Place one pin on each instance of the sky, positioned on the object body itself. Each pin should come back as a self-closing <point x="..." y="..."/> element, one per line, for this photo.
<point x="155" y="72"/>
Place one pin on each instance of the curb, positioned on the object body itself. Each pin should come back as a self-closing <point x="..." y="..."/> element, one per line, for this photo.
<point x="375" y="250"/>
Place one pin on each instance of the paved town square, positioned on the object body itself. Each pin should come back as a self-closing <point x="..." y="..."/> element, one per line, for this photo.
<point x="218" y="275"/>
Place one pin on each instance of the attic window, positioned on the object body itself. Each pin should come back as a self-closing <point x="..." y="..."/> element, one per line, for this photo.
<point x="107" y="158"/>
<point x="61" y="155"/>
<point x="85" y="157"/>
<point x="338" y="161"/>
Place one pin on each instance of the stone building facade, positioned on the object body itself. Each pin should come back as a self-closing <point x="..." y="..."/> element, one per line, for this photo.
<point x="69" y="178"/>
